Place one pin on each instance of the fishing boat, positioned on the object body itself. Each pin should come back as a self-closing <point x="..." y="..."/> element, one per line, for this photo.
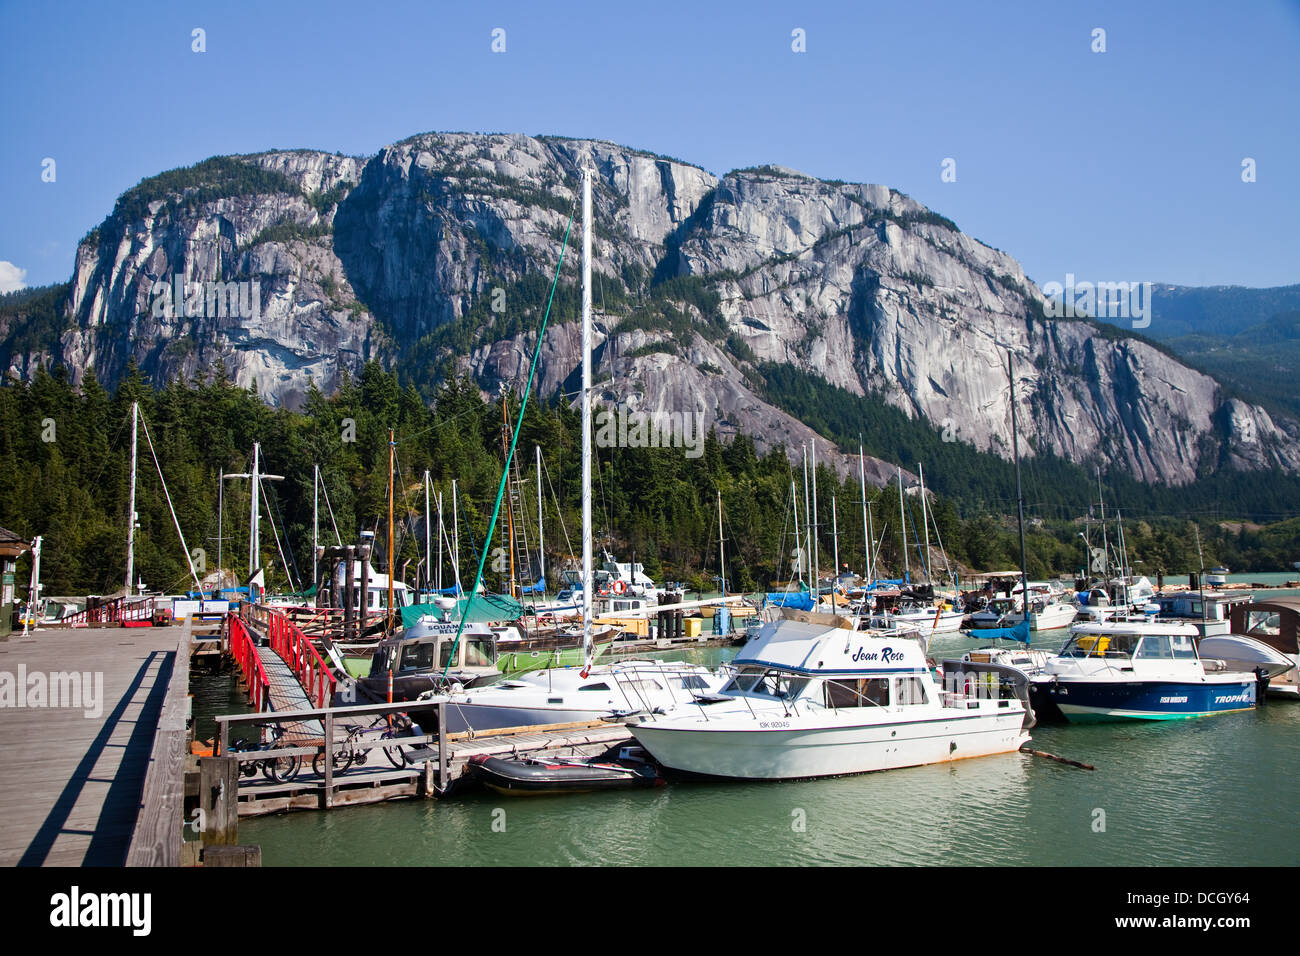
<point x="1138" y="670"/>
<point x="812" y="697"/>
<point x="1210" y="612"/>
<point x="622" y="769"/>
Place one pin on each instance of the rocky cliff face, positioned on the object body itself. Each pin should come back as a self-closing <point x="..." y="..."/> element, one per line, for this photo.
<point x="438" y="252"/>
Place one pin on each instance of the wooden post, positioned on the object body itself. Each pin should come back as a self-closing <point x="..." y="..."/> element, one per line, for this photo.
<point x="442" y="746"/>
<point x="329" y="760"/>
<point x="219" y="800"/>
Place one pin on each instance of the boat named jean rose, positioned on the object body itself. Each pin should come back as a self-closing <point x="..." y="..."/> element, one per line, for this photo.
<point x="812" y="697"/>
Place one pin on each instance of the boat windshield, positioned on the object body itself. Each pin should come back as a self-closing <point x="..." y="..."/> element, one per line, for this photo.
<point x="766" y="683"/>
<point x="1109" y="646"/>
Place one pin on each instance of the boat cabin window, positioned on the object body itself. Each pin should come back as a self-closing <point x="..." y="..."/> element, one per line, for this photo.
<point x="1155" y="646"/>
<point x="642" y="686"/>
<point x="1184" y="649"/>
<point x="868" y="692"/>
<point x="444" y="653"/>
<point x="601" y="686"/>
<point x="478" y="652"/>
<point x="766" y="683"/>
<point x="909" y="690"/>
<point x="417" y="656"/>
<point x="1100" y="645"/>
<point x="694" y="682"/>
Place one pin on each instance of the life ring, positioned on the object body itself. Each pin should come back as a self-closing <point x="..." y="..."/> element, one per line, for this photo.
<point x="619" y="587"/>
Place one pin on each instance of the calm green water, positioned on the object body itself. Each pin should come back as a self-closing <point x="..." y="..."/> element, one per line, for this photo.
<point x="1214" y="792"/>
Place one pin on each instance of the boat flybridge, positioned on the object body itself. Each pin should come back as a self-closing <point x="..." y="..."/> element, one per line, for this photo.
<point x="813" y="697"/>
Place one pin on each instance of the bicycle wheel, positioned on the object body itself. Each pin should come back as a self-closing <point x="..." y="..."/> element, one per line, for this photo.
<point x="342" y="761"/>
<point x="282" y="769"/>
<point x="397" y="755"/>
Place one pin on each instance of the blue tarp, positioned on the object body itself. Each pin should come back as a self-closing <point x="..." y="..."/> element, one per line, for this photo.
<point x="538" y="588"/>
<point x="1018" y="632"/>
<point x="801" y="600"/>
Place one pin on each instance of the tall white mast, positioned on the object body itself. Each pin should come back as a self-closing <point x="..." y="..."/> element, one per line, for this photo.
<point x="866" y="530"/>
<point x="315" y="514"/>
<point x="835" y="546"/>
<point x="817" y="583"/>
<point x="441" y="535"/>
<point x="807" y="515"/>
<point x="221" y="521"/>
<point x="428" y="536"/>
<point x="587" y="575"/>
<point x="130" y="509"/>
<point x="925" y="523"/>
<point x="254" y="544"/>
<point x="902" y="527"/>
<point x="722" y="565"/>
<point x="455" y="535"/>
<point x="541" y="550"/>
<point x="798" y="542"/>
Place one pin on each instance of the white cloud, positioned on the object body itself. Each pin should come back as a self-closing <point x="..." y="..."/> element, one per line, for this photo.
<point x="11" y="277"/>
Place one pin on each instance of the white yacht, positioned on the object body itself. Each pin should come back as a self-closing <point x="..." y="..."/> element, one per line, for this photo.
<point x="561" y="695"/>
<point x="812" y="697"/>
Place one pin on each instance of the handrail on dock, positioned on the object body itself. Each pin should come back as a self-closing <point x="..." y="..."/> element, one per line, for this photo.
<point x="287" y="639"/>
<point x="244" y="651"/>
<point x="116" y="611"/>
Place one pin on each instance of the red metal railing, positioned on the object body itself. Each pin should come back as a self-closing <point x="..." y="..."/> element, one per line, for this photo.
<point x="244" y="650"/>
<point x="288" y="640"/>
<point x="118" y="611"/>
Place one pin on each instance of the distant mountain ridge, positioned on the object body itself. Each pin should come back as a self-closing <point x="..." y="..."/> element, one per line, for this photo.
<point x="435" y="256"/>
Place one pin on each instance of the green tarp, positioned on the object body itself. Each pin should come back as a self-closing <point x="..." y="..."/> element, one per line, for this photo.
<point x="484" y="609"/>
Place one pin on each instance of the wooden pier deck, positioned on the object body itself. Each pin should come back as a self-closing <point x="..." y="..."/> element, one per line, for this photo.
<point x="428" y="774"/>
<point x="86" y="788"/>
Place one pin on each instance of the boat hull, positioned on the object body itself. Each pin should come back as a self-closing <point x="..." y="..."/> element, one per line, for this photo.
<point x="1090" y="701"/>
<point x="781" y="754"/>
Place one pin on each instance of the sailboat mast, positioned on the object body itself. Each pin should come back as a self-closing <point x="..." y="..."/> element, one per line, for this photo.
<point x="587" y="575"/>
<point x="807" y="516"/>
<point x="1105" y="543"/>
<point x="798" y="542"/>
<point x="722" y="566"/>
<point x="1020" y="495"/>
<point x="428" y="537"/>
<point x="130" y="509"/>
<point x="221" y="520"/>
<point x="866" y="524"/>
<point x="315" y="513"/>
<point x="455" y="535"/>
<point x="541" y="551"/>
<point x="817" y="583"/>
<point x="902" y="528"/>
<point x="925" y="524"/>
<point x="835" y="548"/>
<point x="392" y="447"/>
<point x="254" y="544"/>
<point x="510" y="495"/>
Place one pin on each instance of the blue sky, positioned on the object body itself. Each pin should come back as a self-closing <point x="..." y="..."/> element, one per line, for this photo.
<point x="1122" y="165"/>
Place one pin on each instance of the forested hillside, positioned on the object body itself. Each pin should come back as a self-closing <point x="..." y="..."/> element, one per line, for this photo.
<point x="64" y="456"/>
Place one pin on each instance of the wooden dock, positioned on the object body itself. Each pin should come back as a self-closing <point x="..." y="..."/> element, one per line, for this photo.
<point x="436" y="768"/>
<point x="99" y="785"/>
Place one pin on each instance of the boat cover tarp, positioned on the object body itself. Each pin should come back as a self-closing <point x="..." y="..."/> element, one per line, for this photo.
<point x="483" y="609"/>
<point x="1017" y="632"/>
<point x="796" y="599"/>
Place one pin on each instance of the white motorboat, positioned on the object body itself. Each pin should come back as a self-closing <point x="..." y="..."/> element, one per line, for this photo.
<point x="561" y="695"/>
<point x="812" y="697"/>
<point x="940" y="619"/>
<point x="1138" y="670"/>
